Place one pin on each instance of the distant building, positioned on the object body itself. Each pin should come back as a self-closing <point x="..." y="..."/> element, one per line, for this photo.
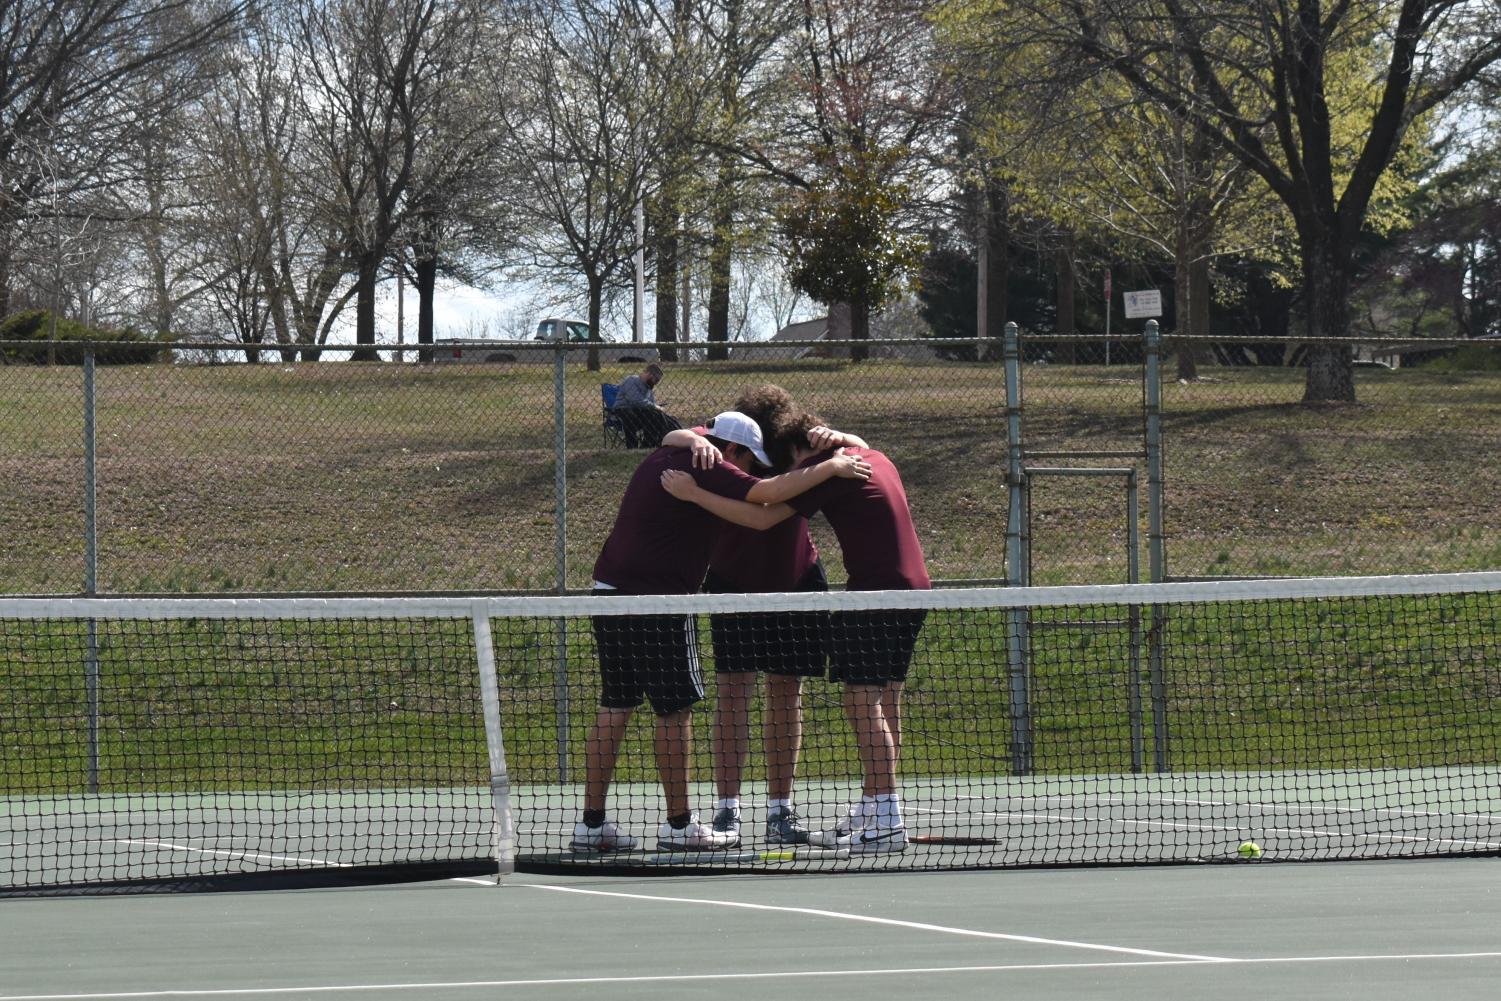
<point x="900" y="322"/>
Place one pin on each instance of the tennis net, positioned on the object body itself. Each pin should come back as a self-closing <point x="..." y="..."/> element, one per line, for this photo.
<point x="154" y="741"/>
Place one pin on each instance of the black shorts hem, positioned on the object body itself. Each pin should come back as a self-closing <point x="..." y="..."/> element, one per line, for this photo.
<point x="873" y="647"/>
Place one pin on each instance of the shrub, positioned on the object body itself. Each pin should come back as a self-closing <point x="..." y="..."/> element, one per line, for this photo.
<point x="36" y="325"/>
<point x="1469" y="358"/>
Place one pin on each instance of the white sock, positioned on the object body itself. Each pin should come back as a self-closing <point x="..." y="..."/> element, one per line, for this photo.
<point x="732" y="803"/>
<point x="888" y="809"/>
<point x="779" y="804"/>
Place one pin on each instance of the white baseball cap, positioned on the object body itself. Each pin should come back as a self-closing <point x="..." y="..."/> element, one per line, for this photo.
<point x="734" y="426"/>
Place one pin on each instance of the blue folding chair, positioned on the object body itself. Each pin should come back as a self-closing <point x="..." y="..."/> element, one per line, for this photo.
<point x="614" y="427"/>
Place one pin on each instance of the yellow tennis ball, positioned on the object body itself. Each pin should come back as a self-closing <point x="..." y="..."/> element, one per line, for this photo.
<point x="1250" y="849"/>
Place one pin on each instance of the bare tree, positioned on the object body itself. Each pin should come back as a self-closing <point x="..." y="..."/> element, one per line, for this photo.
<point x="376" y="66"/>
<point x="454" y="221"/>
<point x="271" y="210"/>
<point x="596" y="112"/>
<point x="66" y="88"/>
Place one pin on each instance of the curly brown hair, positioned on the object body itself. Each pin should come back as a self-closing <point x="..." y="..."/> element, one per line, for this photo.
<point x="789" y="432"/>
<point x="763" y="403"/>
<point x="768" y="405"/>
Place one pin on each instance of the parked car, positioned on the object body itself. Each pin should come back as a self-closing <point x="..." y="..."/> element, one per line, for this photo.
<point x="550" y="330"/>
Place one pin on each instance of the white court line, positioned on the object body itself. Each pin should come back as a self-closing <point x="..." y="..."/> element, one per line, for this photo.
<point x="868" y="919"/>
<point x="1286" y="807"/>
<point x="1171" y="825"/>
<point x="284" y="858"/>
<point x="232" y="854"/>
<point x="187" y="992"/>
<point x="1330" y="808"/>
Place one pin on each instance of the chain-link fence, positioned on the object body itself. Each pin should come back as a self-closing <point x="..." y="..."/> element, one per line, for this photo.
<point x="209" y="473"/>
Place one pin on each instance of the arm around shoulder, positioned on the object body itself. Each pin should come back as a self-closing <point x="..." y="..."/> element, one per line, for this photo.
<point x="782" y="488"/>
<point x="758" y="516"/>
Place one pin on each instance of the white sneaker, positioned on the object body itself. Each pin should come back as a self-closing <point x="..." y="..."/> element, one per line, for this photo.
<point x="604" y="838"/>
<point x="872" y="839"/>
<point x="854" y="818"/>
<point x="696" y="837"/>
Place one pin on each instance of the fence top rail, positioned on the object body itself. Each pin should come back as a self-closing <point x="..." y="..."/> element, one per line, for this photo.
<point x="576" y="606"/>
<point x="756" y="345"/>
<point x="525" y="345"/>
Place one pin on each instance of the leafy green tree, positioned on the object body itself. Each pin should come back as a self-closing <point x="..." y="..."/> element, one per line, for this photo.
<point x="845" y="243"/>
<point x="1268" y="82"/>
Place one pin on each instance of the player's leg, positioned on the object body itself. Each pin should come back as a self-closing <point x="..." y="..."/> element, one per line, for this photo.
<point x="784" y="740"/>
<point x="865" y="709"/>
<point x="673" y="744"/>
<point x="870" y="652"/>
<point x="674" y="686"/>
<point x="784" y="733"/>
<point x="891" y="709"/>
<point x="801" y="650"/>
<point x="620" y="692"/>
<point x="601" y="747"/>
<point x="730" y="744"/>
<point x="594" y="831"/>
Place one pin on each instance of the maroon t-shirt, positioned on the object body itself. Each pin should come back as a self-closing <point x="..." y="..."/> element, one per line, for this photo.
<point x="660" y="545"/>
<point x="873" y="523"/>
<point x="756" y="562"/>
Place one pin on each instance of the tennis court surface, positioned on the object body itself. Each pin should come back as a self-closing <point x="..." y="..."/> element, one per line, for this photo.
<point x="1376" y="930"/>
<point x="1343" y="733"/>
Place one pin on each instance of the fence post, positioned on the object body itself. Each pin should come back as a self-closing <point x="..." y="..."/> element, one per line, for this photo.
<point x="1152" y="390"/>
<point x="91" y="563"/>
<point x="1156" y="550"/>
<point x="1018" y="640"/>
<point x="560" y="548"/>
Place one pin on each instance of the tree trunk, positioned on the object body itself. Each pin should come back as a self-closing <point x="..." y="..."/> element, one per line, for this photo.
<point x="364" y="308"/>
<point x="1326" y="304"/>
<point x="665" y="236"/>
<point x="1183" y="302"/>
<point x="427" y="284"/>
<point x="1198" y="314"/>
<point x="996" y="233"/>
<point x="998" y="275"/>
<point x="5" y="256"/>
<point x="1064" y="260"/>
<point x="596" y="295"/>
<point x="722" y="239"/>
<point x="859" y="329"/>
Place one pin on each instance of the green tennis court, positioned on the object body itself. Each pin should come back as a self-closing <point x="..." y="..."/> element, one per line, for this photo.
<point x="1376" y="930"/>
<point x="998" y="823"/>
<point x="243" y="744"/>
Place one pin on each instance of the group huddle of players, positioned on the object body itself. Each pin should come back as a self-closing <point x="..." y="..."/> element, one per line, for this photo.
<point x="725" y="507"/>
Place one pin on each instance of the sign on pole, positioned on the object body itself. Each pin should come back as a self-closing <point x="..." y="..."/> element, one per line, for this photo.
<point x="1140" y="305"/>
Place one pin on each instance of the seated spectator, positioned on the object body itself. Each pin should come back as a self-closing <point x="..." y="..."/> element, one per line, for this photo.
<point x="643" y="421"/>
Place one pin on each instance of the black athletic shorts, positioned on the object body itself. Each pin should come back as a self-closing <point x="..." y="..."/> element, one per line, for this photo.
<point x="874" y="647"/>
<point x="791" y="643"/>
<point x="651" y="657"/>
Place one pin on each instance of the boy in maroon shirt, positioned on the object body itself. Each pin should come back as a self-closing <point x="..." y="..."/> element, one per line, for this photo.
<point x="660" y="545"/>
<point x="869" y="651"/>
<point x="784" y="646"/>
